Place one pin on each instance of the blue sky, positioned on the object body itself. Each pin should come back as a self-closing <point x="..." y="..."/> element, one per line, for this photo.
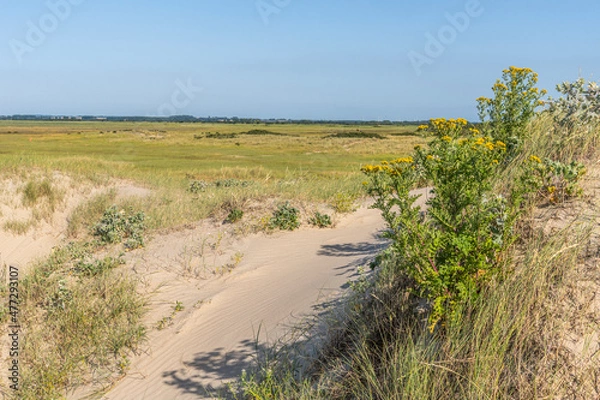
<point x="333" y="59"/>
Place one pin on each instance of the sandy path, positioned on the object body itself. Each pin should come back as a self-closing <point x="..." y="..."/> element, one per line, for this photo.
<point x="280" y="279"/>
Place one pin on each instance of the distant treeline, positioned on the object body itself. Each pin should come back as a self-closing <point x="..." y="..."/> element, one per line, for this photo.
<point x="190" y="118"/>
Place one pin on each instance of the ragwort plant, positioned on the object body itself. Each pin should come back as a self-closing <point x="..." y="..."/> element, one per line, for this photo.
<point x="515" y="100"/>
<point x="454" y="247"/>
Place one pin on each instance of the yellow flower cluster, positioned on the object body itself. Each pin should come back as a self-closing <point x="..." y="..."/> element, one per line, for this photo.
<point x="422" y="128"/>
<point x="501" y="145"/>
<point x="484" y="100"/>
<point x="535" y="159"/>
<point x="499" y="85"/>
<point x="446" y="138"/>
<point x="474" y="131"/>
<point x="443" y="124"/>
<point x="371" y="169"/>
<point x="403" y="160"/>
<point x="514" y="71"/>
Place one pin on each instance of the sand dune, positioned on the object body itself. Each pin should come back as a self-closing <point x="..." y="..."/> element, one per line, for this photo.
<point x="281" y="278"/>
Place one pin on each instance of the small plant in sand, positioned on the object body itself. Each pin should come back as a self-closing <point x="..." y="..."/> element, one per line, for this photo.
<point x="553" y="181"/>
<point x="234" y="215"/>
<point x="285" y="217"/>
<point x="320" y="220"/>
<point x="118" y="226"/>
<point x="343" y="202"/>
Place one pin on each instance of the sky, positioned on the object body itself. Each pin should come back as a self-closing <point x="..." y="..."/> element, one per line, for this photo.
<point x="313" y="59"/>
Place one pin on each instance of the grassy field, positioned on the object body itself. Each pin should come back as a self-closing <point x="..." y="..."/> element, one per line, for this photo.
<point x="311" y="163"/>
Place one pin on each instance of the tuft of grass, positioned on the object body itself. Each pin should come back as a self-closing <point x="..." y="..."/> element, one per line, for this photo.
<point x="81" y="322"/>
<point x="344" y="202"/>
<point x="92" y="210"/>
<point x="18" y="227"/>
<point x="35" y="190"/>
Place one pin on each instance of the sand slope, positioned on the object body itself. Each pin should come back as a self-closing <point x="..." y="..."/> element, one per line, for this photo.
<point x="281" y="278"/>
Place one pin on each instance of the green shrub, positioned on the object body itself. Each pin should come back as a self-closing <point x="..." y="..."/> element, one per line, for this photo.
<point x="225" y="183"/>
<point x="118" y="226"/>
<point x="454" y="248"/>
<point x="320" y="220"/>
<point x="198" y="186"/>
<point x="234" y="216"/>
<point x="285" y="217"/>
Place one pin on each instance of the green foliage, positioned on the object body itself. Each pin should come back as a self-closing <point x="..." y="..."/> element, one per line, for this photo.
<point x="320" y="220"/>
<point x="227" y="183"/>
<point x="118" y="226"/>
<point x="198" y="186"/>
<point x="553" y="181"/>
<point x="285" y="217"/>
<point x="580" y="103"/>
<point x="506" y="115"/>
<point x="97" y="267"/>
<point x="234" y="215"/>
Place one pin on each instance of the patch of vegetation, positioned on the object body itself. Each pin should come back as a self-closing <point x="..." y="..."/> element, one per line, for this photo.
<point x="344" y="202"/>
<point x="234" y="216"/>
<point x="355" y="135"/>
<point x="262" y="132"/>
<point x="35" y="190"/>
<point x="97" y="267"/>
<point x="285" y="218"/>
<point x="198" y="187"/>
<point x="92" y="210"/>
<point x="18" y="227"/>
<point x="226" y="183"/>
<point x="121" y="226"/>
<point x="320" y="220"/>
<point x="216" y="135"/>
<point x="78" y="325"/>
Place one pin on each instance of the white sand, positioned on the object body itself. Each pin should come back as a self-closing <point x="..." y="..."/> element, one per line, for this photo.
<point x="281" y="278"/>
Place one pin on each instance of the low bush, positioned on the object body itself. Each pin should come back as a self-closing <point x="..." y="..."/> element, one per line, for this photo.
<point x="320" y="220"/>
<point x="234" y="215"/>
<point x="121" y="226"/>
<point x="285" y="217"/>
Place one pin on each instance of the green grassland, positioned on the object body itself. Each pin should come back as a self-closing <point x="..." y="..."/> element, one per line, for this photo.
<point x="311" y="163"/>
